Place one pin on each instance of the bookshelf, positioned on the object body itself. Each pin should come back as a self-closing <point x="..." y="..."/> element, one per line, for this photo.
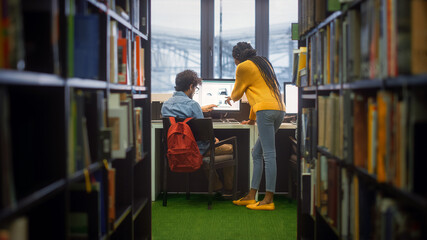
<point x="75" y="119"/>
<point x="362" y="120"/>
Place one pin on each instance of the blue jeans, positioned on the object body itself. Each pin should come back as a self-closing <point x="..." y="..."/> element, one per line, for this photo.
<point x="268" y="122"/>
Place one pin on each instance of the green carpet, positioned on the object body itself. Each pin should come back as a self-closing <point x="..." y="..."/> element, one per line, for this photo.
<point x="190" y="219"/>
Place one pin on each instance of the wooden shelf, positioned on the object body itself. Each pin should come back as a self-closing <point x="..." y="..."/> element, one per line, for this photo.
<point x="415" y="80"/>
<point x="120" y="19"/>
<point x="140" y="96"/>
<point x="329" y="19"/>
<point x="32" y="200"/>
<point x="309" y="96"/>
<point x="139" y="33"/>
<point x="327" y="221"/>
<point x="99" y="5"/>
<point x="13" y="77"/>
<point x="365" y="84"/>
<point x="73" y="121"/>
<point x="309" y="88"/>
<point x="329" y="87"/>
<point x="140" y="88"/>
<point x="144" y="156"/>
<point x="120" y="87"/>
<point x="324" y="151"/>
<point x="138" y="206"/>
<point x="408" y="198"/>
<point x="86" y="83"/>
<point x="123" y="211"/>
<point x="79" y="175"/>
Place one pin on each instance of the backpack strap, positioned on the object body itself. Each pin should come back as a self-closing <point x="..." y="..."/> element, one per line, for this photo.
<point x="187" y="119"/>
<point x="172" y="120"/>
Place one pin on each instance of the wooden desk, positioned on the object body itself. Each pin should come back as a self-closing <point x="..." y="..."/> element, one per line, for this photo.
<point x="222" y="130"/>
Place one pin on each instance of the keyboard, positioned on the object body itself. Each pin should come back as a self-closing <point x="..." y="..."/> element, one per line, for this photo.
<point x="225" y="120"/>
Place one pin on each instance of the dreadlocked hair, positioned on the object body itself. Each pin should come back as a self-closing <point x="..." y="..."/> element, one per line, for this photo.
<point x="243" y="51"/>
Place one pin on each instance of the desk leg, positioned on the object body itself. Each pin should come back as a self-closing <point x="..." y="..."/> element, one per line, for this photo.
<point x="153" y="164"/>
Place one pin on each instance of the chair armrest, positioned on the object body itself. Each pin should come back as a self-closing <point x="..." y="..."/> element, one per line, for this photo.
<point x="227" y="140"/>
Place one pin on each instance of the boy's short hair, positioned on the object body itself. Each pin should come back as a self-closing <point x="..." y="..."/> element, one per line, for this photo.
<point x="185" y="78"/>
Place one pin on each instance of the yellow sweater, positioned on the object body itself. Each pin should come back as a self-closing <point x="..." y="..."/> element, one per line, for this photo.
<point x="250" y="81"/>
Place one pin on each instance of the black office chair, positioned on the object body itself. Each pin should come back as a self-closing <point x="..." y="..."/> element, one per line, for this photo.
<point x="203" y="130"/>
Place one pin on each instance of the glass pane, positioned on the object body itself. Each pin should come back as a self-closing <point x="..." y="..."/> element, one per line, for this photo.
<point x="175" y="44"/>
<point x="282" y="14"/>
<point x="234" y="22"/>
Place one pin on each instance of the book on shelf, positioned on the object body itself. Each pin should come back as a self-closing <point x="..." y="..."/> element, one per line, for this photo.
<point x="384" y="105"/>
<point x="372" y="136"/>
<point x="102" y="180"/>
<point x="347" y="135"/>
<point x="75" y="132"/>
<point x="122" y="60"/>
<point x="344" y="204"/>
<point x="139" y="133"/>
<point x="322" y="111"/>
<point x="360" y="126"/>
<point x="320" y="11"/>
<point x="332" y="205"/>
<point x="95" y="112"/>
<point x="139" y="62"/>
<point x="118" y="120"/>
<point x="311" y="61"/>
<point x="122" y="7"/>
<point x="354" y="204"/>
<point x="319" y="56"/>
<point x="327" y="51"/>
<point x="394" y="221"/>
<point x="313" y="186"/>
<point x="111" y="197"/>
<point x="12" y="48"/>
<point x="128" y="104"/>
<point x="17" y="229"/>
<point x="418" y="37"/>
<point x="135" y="13"/>
<point x="86" y="46"/>
<point x="295" y="62"/>
<point x="302" y="62"/>
<point x="323" y="185"/>
<point x="112" y="4"/>
<point x="114" y="60"/>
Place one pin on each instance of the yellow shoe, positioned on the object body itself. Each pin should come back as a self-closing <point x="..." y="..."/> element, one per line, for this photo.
<point x="242" y="202"/>
<point x="256" y="206"/>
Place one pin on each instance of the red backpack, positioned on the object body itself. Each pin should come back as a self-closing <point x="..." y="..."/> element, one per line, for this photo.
<point x="183" y="152"/>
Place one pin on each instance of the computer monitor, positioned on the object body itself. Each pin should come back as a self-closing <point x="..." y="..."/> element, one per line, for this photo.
<point x="290" y="97"/>
<point x="216" y="91"/>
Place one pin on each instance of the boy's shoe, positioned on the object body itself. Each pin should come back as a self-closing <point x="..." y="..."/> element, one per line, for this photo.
<point x="256" y="206"/>
<point x="242" y="202"/>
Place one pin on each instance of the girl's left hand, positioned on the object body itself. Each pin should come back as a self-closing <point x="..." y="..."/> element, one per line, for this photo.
<point x="228" y="100"/>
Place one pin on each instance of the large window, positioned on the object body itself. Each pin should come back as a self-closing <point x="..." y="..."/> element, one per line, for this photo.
<point x="175" y="44"/>
<point x="176" y="37"/>
<point x="234" y="22"/>
<point x="281" y="14"/>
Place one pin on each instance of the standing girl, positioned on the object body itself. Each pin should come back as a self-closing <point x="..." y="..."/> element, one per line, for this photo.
<point x="255" y="76"/>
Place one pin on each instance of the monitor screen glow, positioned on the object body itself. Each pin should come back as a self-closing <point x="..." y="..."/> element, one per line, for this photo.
<point x="216" y="91"/>
<point x="291" y="98"/>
